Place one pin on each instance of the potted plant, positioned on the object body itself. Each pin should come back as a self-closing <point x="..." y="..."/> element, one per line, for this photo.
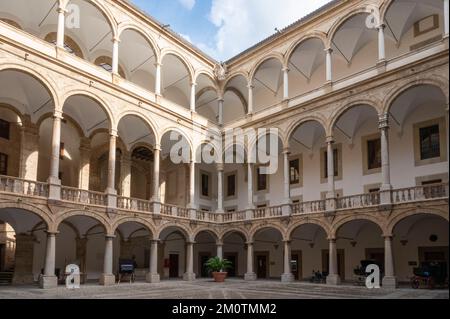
<point x="218" y="267"/>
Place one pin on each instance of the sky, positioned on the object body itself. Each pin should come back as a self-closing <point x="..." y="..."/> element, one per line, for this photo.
<point x="224" y="28"/>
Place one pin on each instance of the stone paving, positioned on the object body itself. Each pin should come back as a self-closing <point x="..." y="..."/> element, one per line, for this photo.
<point x="206" y="289"/>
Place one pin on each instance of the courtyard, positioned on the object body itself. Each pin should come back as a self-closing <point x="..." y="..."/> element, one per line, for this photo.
<point x="206" y="289"/>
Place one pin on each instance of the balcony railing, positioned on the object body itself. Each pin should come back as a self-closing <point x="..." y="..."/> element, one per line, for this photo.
<point x="14" y="185"/>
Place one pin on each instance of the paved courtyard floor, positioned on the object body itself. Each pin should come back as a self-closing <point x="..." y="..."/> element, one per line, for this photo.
<point x="206" y="289"/>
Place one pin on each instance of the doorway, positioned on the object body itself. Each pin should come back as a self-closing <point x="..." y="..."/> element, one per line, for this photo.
<point x="202" y="260"/>
<point x="297" y="264"/>
<point x="262" y="271"/>
<point x="174" y="266"/>
<point x="340" y="262"/>
<point x="233" y="259"/>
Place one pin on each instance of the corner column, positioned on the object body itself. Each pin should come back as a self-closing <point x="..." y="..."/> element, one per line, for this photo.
<point x="329" y="65"/>
<point x="53" y="180"/>
<point x="49" y="279"/>
<point x="333" y="277"/>
<point x="287" y="275"/>
<point x="108" y="278"/>
<point x="250" y="275"/>
<point x="189" y="274"/>
<point x="331" y="195"/>
<point x="250" y="204"/>
<point x="386" y="187"/>
<point x="389" y="279"/>
<point x="153" y="275"/>
<point x="220" y="101"/>
<point x="156" y="198"/>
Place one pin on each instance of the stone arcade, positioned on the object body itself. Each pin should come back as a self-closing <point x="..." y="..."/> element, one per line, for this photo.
<point x="86" y="116"/>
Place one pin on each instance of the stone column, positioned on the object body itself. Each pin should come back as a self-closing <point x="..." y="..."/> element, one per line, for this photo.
<point x="389" y="280"/>
<point x="125" y="172"/>
<point x="219" y="246"/>
<point x="287" y="184"/>
<point x="49" y="280"/>
<point x="156" y="198"/>
<point x="250" y="204"/>
<point x="220" y="169"/>
<point x="331" y="195"/>
<point x="220" y="101"/>
<point x="333" y="276"/>
<point x="108" y="278"/>
<point x="250" y="99"/>
<point x="329" y="65"/>
<point x="115" y="56"/>
<point x="81" y="251"/>
<point x="53" y="180"/>
<point x="158" y="78"/>
<point x="386" y="187"/>
<point x="29" y="150"/>
<point x="189" y="274"/>
<point x="23" y="259"/>
<point x="250" y="275"/>
<point x="61" y="27"/>
<point x="287" y="275"/>
<point x="381" y="44"/>
<point x="153" y="275"/>
<point x="85" y="160"/>
<point x="285" y="83"/>
<point x="193" y="92"/>
<point x="111" y="190"/>
<point x="192" y="185"/>
<point x="446" y="18"/>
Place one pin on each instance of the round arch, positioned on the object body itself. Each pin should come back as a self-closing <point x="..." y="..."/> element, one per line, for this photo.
<point x="179" y="131"/>
<point x="207" y="230"/>
<point x="241" y="232"/>
<point x="47" y="218"/>
<point x="364" y="217"/>
<point x="186" y="63"/>
<point x="322" y="37"/>
<point x="296" y="124"/>
<point x="103" y="221"/>
<point x="397" y="218"/>
<point x="273" y="56"/>
<point x="66" y="117"/>
<point x="317" y="222"/>
<point x="138" y="220"/>
<point x="231" y="77"/>
<point x="184" y="230"/>
<point x="148" y="122"/>
<point x="257" y="229"/>
<point x="149" y="39"/>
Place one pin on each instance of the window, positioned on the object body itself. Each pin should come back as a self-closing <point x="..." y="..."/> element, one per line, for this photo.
<point x="106" y="66"/>
<point x="336" y="163"/>
<point x="231" y="185"/>
<point x="294" y="171"/>
<point x="4" y="129"/>
<point x="433" y="182"/>
<point x="374" y="190"/>
<point x="261" y="206"/>
<point x="374" y="153"/>
<point x="429" y="142"/>
<point x="205" y="185"/>
<point x="3" y="164"/>
<point x="261" y="180"/>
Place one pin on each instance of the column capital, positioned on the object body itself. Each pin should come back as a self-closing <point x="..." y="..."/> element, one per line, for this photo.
<point x="62" y="10"/>
<point x="286" y="151"/>
<point x="158" y="64"/>
<point x="332" y="240"/>
<point x="110" y="237"/>
<point x="115" y="39"/>
<point x="190" y="242"/>
<point x="285" y="69"/>
<point x="219" y="243"/>
<point x="58" y="114"/>
<point x="388" y="237"/>
<point x="381" y="26"/>
<point x="250" y="86"/>
<point x="249" y="243"/>
<point x="113" y="133"/>
<point x="383" y="121"/>
<point x="155" y="241"/>
<point x="328" y="50"/>
<point x="51" y="233"/>
<point x="330" y="140"/>
<point x="220" y="167"/>
<point x="157" y="147"/>
<point x="193" y="84"/>
<point x="220" y="98"/>
<point x="287" y="241"/>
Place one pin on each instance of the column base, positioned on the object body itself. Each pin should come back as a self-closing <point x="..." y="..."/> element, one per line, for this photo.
<point x="287" y="277"/>
<point x="389" y="282"/>
<point x="189" y="276"/>
<point x="48" y="282"/>
<point x="333" y="280"/>
<point x="250" y="276"/>
<point x="153" y="278"/>
<point x="107" y="280"/>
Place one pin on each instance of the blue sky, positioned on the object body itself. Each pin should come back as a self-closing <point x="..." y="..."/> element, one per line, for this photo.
<point x="224" y="28"/>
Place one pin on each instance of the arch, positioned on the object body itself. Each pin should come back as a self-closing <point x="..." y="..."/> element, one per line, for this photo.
<point x="272" y="56"/>
<point x="134" y="27"/>
<point x="296" y="44"/>
<point x="208" y="74"/>
<point x="103" y="59"/>
<point x="13" y="109"/>
<point x="183" y="60"/>
<point x="384" y="8"/>
<point x="295" y="125"/>
<point x="397" y="218"/>
<point x="254" y="231"/>
<point x="147" y="120"/>
<point x="104" y="11"/>
<point x="184" y="230"/>
<point x="138" y="220"/>
<point x="66" y="117"/>
<point x="86" y="213"/>
<point x="436" y="81"/>
<point x="343" y="19"/>
<point x="239" y="95"/>
<point x="208" y="230"/>
<point x="334" y="119"/>
<point x="309" y="221"/>
<point x="366" y="217"/>
<point x="180" y="131"/>
<point x="241" y="232"/>
<point x="231" y="77"/>
<point x="96" y="98"/>
<point x="47" y="218"/>
<point x="46" y="82"/>
<point x="206" y="90"/>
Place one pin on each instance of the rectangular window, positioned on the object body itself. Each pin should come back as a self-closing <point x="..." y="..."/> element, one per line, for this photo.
<point x="429" y="142"/>
<point x="433" y="182"/>
<point x="261" y="180"/>
<point x="4" y="129"/>
<point x="294" y="171"/>
<point x="261" y="206"/>
<point x="374" y="153"/>
<point x="335" y="161"/>
<point x="205" y="185"/>
<point x="231" y="185"/>
<point x="3" y="164"/>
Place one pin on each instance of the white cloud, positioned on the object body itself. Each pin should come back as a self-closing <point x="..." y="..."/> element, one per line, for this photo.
<point x="243" y="23"/>
<point x="188" y="4"/>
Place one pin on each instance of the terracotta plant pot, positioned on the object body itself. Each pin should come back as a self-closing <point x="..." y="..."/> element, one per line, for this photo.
<point x="219" y="276"/>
